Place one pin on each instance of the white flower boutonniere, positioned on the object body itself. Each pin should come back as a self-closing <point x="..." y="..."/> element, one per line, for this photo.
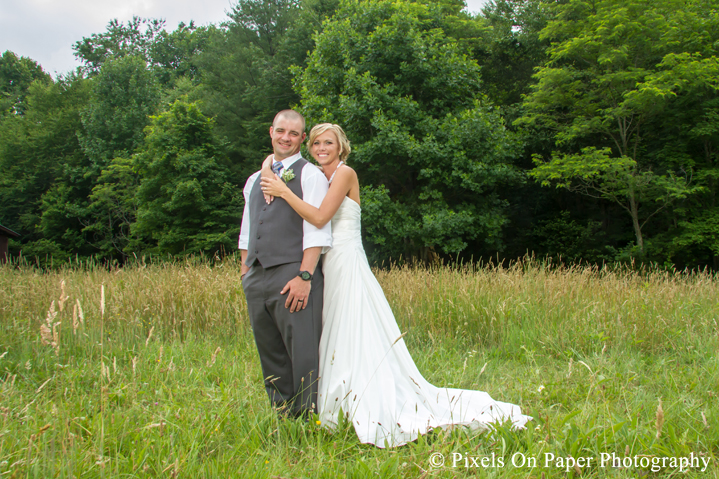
<point x="287" y="175"/>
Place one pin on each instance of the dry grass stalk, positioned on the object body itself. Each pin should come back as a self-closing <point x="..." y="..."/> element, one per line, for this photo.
<point x="102" y="301"/>
<point x="75" y="323"/>
<point x="660" y="419"/>
<point x="11" y="378"/>
<point x="49" y="333"/>
<point x="78" y="316"/>
<point x="134" y="365"/>
<point x="214" y="357"/>
<point x="80" y="313"/>
<point x="577" y="469"/>
<point x="27" y="406"/>
<point x="42" y="430"/>
<point x="175" y="469"/>
<point x="63" y="296"/>
<point x="33" y="438"/>
<point x="43" y="385"/>
<point x="56" y="337"/>
<point x="149" y="335"/>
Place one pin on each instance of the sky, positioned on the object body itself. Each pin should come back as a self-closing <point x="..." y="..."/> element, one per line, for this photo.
<point x="46" y="30"/>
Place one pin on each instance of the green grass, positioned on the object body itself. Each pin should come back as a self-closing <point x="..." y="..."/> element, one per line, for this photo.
<point x="133" y="391"/>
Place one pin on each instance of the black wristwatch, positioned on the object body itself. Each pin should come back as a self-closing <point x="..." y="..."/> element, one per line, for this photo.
<point x="305" y="275"/>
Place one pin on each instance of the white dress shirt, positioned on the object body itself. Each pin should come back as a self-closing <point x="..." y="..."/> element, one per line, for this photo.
<point x="314" y="186"/>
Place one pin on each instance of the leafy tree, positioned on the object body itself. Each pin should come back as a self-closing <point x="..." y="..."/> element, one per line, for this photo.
<point x="119" y="41"/>
<point x="246" y="78"/>
<point x="113" y="205"/>
<point x="699" y="234"/>
<point x="39" y="150"/>
<point x="175" y="55"/>
<point x="264" y="23"/>
<point x="512" y="48"/>
<point x="601" y="52"/>
<point x="426" y="144"/>
<point x="170" y="55"/>
<point x="686" y="88"/>
<point x="298" y="40"/>
<point x="185" y="200"/>
<point x="16" y="76"/>
<point x="124" y="95"/>
<point x="566" y="239"/>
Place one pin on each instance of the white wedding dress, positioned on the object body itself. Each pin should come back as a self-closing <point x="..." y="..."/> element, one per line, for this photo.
<point x="366" y="370"/>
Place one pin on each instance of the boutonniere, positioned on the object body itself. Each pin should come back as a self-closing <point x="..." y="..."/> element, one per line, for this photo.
<point x="287" y="175"/>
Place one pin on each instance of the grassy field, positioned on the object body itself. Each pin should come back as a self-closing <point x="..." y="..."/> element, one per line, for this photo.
<point x="151" y="371"/>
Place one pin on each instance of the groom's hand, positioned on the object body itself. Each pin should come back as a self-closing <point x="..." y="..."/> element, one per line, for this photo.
<point x="298" y="293"/>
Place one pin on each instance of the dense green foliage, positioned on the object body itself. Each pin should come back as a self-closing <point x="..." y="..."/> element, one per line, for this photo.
<point x="185" y="202"/>
<point x="575" y="129"/>
<point x="603" y="96"/>
<point x="397" y="84"/>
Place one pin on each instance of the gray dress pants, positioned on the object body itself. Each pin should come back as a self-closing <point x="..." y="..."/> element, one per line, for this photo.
<point x="288" y="343"/>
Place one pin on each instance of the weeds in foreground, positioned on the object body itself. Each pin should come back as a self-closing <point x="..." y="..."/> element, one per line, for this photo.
<point x="151" y="371"/>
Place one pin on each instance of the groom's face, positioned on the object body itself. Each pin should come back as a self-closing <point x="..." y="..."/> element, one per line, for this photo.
<point x="287" y="136"/>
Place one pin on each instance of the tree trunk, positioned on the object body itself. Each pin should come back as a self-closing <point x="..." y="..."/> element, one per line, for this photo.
<point x="634" y="209"/>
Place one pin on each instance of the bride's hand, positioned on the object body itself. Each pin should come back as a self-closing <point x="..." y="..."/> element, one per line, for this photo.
<point x="266" y="172"/>
<point x="274" y="186"/>
<point x="267" y="164"/>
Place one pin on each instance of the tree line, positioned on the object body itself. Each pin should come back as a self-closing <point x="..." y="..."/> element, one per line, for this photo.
<point x="576" y="129"/>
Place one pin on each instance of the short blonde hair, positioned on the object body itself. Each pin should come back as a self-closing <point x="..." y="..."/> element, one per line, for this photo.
<point x="317" y="130"/>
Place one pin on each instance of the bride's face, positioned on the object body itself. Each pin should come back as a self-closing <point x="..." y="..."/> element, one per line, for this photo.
<point x="325" y="149"/>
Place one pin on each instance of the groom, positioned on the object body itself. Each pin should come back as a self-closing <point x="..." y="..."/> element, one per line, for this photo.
<point x="280" y="274"/>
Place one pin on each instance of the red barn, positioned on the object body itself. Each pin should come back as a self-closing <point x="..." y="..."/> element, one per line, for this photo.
<point x="5" y="234"/>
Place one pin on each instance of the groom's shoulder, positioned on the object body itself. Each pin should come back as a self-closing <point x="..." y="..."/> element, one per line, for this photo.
<point x="251" y="180"/>
<point x="253" y="177"/>
<point x="311" y="169"/>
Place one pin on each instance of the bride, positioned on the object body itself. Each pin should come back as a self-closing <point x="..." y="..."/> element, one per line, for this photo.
<point x="366" y="371"/>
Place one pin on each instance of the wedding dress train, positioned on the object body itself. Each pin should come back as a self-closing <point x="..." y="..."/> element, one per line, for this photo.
<point x="366" y="370"/>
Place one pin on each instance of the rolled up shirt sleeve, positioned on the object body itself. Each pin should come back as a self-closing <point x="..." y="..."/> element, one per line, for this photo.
<point x="245" y="228"/>
<point x="314" y="189"/>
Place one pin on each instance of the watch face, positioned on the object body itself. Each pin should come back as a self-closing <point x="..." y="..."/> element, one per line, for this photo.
<point x="305" y="275"/>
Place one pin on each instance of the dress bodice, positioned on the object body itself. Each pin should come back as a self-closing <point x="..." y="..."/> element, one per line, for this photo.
<point x="346" y="223"/>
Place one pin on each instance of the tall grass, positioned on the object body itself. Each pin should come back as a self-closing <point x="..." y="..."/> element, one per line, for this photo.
<point x="163" y="379"/>
<point x="575" y="310"/>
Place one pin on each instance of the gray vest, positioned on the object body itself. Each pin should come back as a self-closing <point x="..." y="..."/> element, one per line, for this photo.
<point x="276" y="231"/>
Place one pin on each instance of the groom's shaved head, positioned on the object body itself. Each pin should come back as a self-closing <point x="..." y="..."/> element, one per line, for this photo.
<point x="289" y="115"/>
<point x="287" y="133"/>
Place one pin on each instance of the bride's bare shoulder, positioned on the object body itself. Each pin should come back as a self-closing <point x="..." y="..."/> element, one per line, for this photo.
<point x="346" y="170"/>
